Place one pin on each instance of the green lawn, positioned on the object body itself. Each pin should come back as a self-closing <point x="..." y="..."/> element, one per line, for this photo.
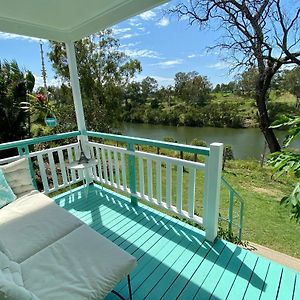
<point x="266" y="222"/>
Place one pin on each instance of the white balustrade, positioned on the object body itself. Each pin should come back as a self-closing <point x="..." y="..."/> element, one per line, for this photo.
<point x="152" y="173"/>
<point x="113" y="171"/>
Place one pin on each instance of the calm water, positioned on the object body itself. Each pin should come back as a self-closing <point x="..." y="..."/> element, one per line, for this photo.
<point x="246" y="143"/>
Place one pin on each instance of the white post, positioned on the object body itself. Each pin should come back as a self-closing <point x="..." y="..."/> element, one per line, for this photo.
<point x="75" y="86"/>
<point x="212" y="190"/>
<point x="71" y="56"/>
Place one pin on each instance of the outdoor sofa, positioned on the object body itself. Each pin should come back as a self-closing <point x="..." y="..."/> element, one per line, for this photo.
<point x="47" y="253"/>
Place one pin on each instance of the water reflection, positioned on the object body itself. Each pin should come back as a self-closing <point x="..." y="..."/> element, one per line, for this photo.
<point x="246" y="143"/>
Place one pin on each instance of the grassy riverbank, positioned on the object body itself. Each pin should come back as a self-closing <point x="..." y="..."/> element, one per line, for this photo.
<point x="223" y="110"/>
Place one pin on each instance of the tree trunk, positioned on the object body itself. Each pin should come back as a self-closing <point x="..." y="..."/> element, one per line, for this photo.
<point x="264" y="121"/>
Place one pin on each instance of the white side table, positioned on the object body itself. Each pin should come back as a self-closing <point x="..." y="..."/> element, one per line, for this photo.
<point x="85" y="168"/>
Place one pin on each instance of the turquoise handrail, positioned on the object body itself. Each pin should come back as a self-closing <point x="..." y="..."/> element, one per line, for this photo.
<point x="232" y="194"/>
<point x="38" y="140"/>
<point x="148" y="142"/>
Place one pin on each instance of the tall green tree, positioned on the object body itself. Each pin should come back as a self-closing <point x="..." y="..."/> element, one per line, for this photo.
<point x="14" y="84"/>
<point x="291" y="82"/>
<point x="149" y="87"/>
<point x="104" y="71"/>
<point x="246" y="82"/>
<point x="263" y="34"/>
<point x="193" y="88"/>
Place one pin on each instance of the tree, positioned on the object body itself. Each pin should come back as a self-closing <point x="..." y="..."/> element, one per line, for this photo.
<point x="104" y="71"/>
<point x="192" y="88"/>
<point x="291" y="82"/>
<point x="262" y="34"/>
<point x="149" y="87"/>
<point x="217" y="88"/>
<point x="246" y="82"/>
<point x="13" y="88"/>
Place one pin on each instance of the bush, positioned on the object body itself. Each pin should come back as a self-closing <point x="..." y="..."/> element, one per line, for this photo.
<point x="228" y="152"/>
<point x="198" y="142"/>
<point x="169" y="139"/>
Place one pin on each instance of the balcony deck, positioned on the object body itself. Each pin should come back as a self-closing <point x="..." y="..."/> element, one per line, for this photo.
<point x="174" y="260"/>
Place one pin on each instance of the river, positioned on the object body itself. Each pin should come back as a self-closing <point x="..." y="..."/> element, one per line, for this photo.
<point x="246" y="143"/>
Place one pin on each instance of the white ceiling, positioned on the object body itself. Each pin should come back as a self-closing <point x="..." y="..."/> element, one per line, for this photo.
<point x="67" y="20"/>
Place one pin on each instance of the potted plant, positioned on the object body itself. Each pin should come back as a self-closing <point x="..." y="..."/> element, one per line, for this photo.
<point x="41" y="108"/>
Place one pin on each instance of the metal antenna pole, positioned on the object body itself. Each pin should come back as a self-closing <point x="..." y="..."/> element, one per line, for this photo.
<point x="44" y="74"/>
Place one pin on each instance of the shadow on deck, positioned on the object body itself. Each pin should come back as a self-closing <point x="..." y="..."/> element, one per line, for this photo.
<point x="174" y="260"/>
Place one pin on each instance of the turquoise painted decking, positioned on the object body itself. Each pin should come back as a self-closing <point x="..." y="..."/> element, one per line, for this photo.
<point x="174" y="260"/>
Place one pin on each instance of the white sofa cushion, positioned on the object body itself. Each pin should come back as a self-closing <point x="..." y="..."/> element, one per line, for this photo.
<point x="11" y="282"/>
<point x="11" y="291"/>
<point x="10" y="270"/>
<point x="17" y="175"/>
<point x="80" y="266"/>
<point x="31" y="223"/>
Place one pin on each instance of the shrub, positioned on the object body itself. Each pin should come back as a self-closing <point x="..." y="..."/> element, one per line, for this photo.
<point x="198" y="142"/>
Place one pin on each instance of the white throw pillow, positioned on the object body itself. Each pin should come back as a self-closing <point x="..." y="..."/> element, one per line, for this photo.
<point x="17" y="175"/>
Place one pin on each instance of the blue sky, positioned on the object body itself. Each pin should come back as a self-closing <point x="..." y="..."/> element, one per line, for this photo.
<point x="163" y="44"/>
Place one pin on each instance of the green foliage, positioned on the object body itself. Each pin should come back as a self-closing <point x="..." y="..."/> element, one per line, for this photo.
<point x="246" y="82"/>
<point x="193" y="88"/>
<point x="228" y="152"/>
<point x="169" y="139"/>
<point x="290" y="80"/>
<point x="104" y="71"/>
<point x="293" y="125"/>
<point x="288" y="161"/>
<point x="277" y="109"/>
<point x="231" y="237"/>
<point x="198" y="142"/>
<point x="13" y="84"/>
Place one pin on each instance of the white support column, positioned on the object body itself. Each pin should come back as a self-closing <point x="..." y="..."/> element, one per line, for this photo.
<point x="71" y="56"/>
<point x="75" y="86"/>
<point x="212" y="191"/>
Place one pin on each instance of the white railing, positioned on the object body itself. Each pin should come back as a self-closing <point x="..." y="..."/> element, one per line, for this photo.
<point x="166" y="182"/>
<point x="52" y="163"/>
<point x="151" y="171"/>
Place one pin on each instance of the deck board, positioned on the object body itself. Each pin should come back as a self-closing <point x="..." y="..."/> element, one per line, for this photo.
<point x="174" y="260"/>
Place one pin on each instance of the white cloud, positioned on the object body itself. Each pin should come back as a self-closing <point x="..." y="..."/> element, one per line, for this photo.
<point x="184" y="18"/>
<point x="121" y="30"/>
<point x="142" y="53"/>
<point x="131" y="35"/>
<point x="127" y="36"/>
<point x="164" y="21"/>
<point x="134" y="22"/>
<point x="169" y="63"/>
<point x="129" y="45"/>
<point x="220" y="65"/>
<point x="162" y="81"/>
<point x="50" y="81"/>
<point x="194" y="55"/>
<point x="12" y="36"/>
<point x="148" y="15"/>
